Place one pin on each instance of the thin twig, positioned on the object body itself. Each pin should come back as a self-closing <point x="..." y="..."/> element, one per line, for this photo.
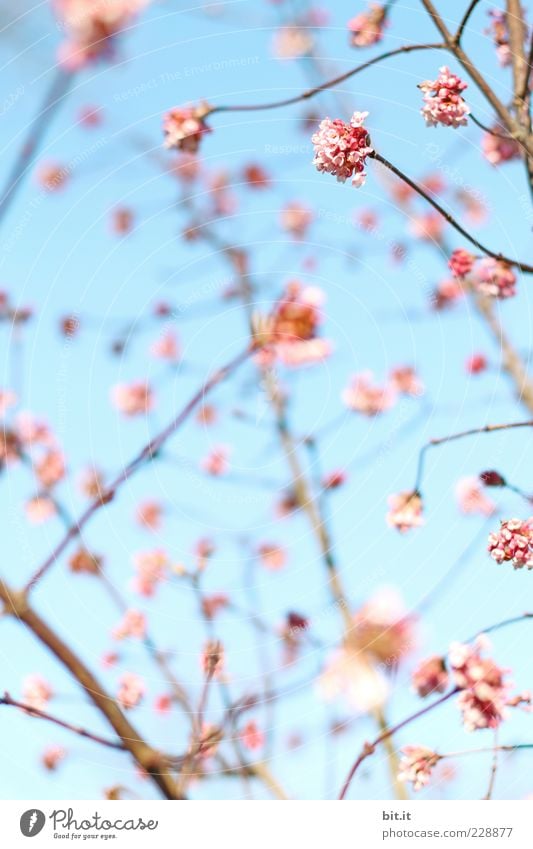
<point x="462" y="25"/>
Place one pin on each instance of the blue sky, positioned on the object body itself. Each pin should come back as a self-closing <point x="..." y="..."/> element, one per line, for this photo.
<point x="57" y="253"/>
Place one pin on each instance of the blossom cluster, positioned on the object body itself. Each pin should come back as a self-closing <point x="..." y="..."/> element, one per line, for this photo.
<point x="489" y="276"/>
<point x="341" y="149"/>
<point x="513" y="543"/>
<point x="91" y="27"/>
<point x="443" y="100"/>
<point x="367" y="27"/>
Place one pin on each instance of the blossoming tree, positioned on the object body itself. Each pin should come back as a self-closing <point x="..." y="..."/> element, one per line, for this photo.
<point x="264" y="431"/>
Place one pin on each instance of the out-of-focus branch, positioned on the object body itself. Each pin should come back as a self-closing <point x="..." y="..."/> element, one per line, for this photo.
<point x="59" y="87"/>
<point x="147" y="454"/>
<point x="76" y="729"/>
<point x="517" y="30"/>
<point x="153" y="762"/>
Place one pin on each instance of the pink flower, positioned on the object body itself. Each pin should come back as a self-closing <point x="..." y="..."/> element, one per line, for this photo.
<point x="341" y="149"/>
<point x="132" y="625"/>
<point x="405" y="511"/>
<point x="214" y="604"/>
<point x="163" y="703"/>
<point x="366" y="398"/>
<point x="476" y="364"/>
<point x="500" y="36"/>
<point x="496" y="149"/>
<point x="471" y="499"/>
<point x="252" y="737"/>
<point x="513" y="543"/>
<point x="273" y="557"/>
<point x="443" y="101"/>
<point x="307" y="353"/>
<point x="383" y="629"/>
<point x="430" y="676"/>
<point x="367" y="27"/>
<point x="91" y="483"/>
<point x="52" y="757"/>
<point x="148" y="515"/>
<point x="446" y="294"/>
<point x="166" y="347"/>
<point x="84" y="562"/>
<point x="90" y="116"/>
<point x="122" y="221"/>
<point x="406" y="381"/>
<point x="151" y="567"/>
<point x="494" y="278"/>
<point x="292" y="42"/>
<point x="429" y="227"/>
<point x="52" y="176"/>
<point x="39" y="509"/>
<point x="132" y="399"/>
<point x="484" y="693"/>
<point x="7" y="399"/>
<point x="350" y="674"/>
<point x="212" y="659"/>
<point x="216" y="461"/>
<point x="461" y="262"/>
<point x="296" y="219"/>
<point x="416" y="765"/>
<point x="91" y="26"/>
<point x="335" y="479"/>
<point x="50" y="469"/>
<point x="36" y="691"/>
<point x="184" y="127"/>
<point x="256" y="176"/>
<point x="297" y="315"/>
<point x="131" y="690"/>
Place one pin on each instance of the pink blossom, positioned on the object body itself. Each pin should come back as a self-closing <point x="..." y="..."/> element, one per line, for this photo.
<point x="150" y="567"/>
<point x="500" y="36"/>
<point x="307" y="353"/>
<point x="36" y="691"/>
<point x="366" y="398"/>
<point x="50" y="469"/>
<point x="446" y="294"/>
<point x="252" y="737"/>
<point x="184" y="127"/>
<point x="132" y="399"/>
<point x="166" y="347"/>
<point x="494" y="278"/>
<point x="90" y="116"/>
<point x="406" y="381"/>
<point x="383" y="629"/>
<point x="443" y="101"/>
<point x="51" y="176"/>
<point x="131" y="690"/>
<point x="296" y="219"/>
<point x="7" y="399"/>
<point x="84" y="562"/>
<point x="213" y="604"/>
<point x="149" y="514"/>
<point x="335" y="479"/>
<point x="405" y="511"/>
<point x="292" y="42"/>
<point x="471" y="499"/>
<point x="428" y="226"/>
<point x="461" y="262"/>
<point x="163" y="703"/>
<point x="416" y="765"/>
<point x="484" y="693"/>
<point x="273" y="557"/>
<point x="91" y="27"/>
<point x="350" y="674"/>
<point x="476" y="364"/>
<point x="212" y="659"/>
<point x="297" y="315"/>
<point x="132" y="625"/>
<point x="39" y="509"/>
<point x="341" y="149"/>
<point x="216" y="462"/>
<point x="513" y="543"/>
<point x="367" y="27"/>
<point x="186" y="167"/>
<point x="430" y="676"/>
<point x="52" y="757"/>
<point x="122" y="221"/>
<point x="496" y="149"/>
<point x="256" y="176"/>
<point x="32" y="431"/>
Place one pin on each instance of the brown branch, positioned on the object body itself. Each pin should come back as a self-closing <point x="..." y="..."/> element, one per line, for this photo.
<point x="153" y="762"/>
<point x="464" y="21"/>
<point x="448" y="217"/>
<point x="147" y="454"/>
<point x="517" y="30"/>
<point x="441" y="440"/>
<point x="76" y="729"/>
<point x="306" y="95"/>
<point x="369" y="748"/>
